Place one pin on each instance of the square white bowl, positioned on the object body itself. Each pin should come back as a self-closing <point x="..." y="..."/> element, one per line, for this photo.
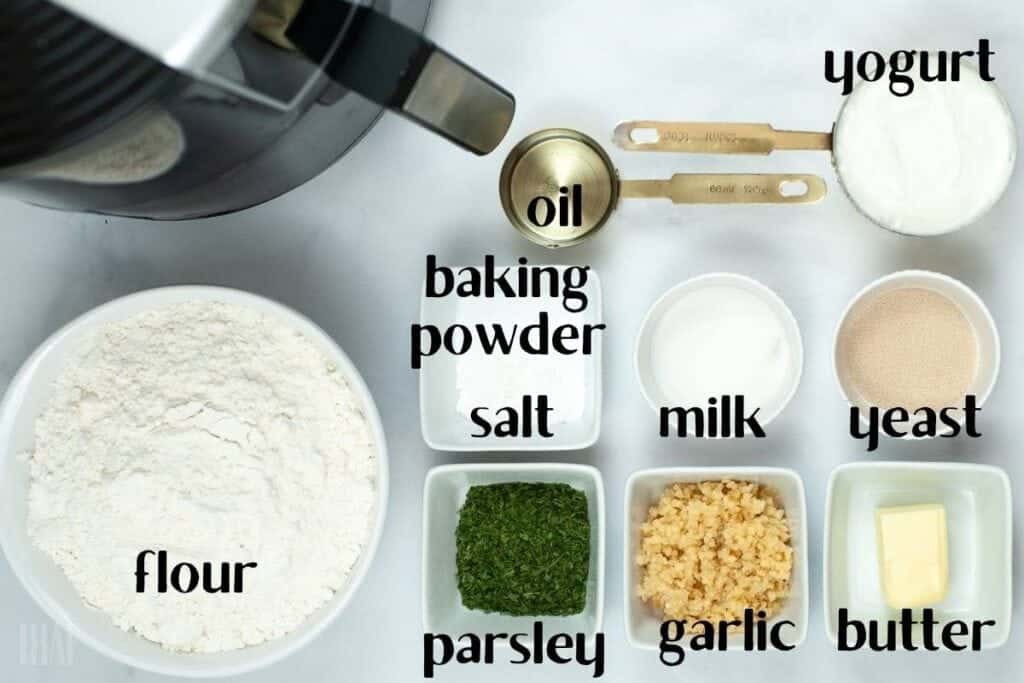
<point x="444" y="492"/>
<point x="979" y="525"/>
<point x="445" y="429"/>
<point x="645" y="487"/>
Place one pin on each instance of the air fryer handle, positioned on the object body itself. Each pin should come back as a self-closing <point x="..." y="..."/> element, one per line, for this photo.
<point x="400" y="69"/>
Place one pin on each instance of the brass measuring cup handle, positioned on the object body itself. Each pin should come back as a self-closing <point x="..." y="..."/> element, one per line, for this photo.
<point x="558" y="187"/>
<point x="729" y="188"/>
<point x="715" y="138"/>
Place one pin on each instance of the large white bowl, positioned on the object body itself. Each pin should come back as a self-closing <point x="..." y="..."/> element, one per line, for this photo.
<point x="27" y="396"/>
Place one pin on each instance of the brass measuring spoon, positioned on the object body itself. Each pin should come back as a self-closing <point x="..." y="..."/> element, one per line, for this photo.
<point x="715" y="138"/>
<point x="558" y="187"/>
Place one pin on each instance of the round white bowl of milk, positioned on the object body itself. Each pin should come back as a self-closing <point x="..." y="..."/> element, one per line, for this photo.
<point x="720" y="335"/>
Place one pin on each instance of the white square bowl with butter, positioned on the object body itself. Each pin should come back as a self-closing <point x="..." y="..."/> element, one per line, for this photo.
<point x="446" y="428"/>
<point x="979" y="538"/>
<point x="645" y="487"/>
<point x="444" y="493"/>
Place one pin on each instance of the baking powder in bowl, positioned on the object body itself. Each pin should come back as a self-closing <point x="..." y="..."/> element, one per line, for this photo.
<point x="216" y="433"/>
<point x="930" y="162"/>
<point x="503" y="379"/>
<point x="722" y="339"/>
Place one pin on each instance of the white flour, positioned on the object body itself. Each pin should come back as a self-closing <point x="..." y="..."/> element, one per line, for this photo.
<point x="218" y="434"/>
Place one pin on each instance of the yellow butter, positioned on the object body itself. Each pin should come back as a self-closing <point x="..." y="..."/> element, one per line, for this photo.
<point x="913" y="553"/>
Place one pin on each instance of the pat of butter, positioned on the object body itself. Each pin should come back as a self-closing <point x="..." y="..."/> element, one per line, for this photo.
<point x="913" y="552"/>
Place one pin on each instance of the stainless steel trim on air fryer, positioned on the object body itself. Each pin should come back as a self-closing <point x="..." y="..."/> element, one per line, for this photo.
<point x="460" y="104"/>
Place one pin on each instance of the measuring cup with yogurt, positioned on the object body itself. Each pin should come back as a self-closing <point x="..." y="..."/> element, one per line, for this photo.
<point x="924" y="164"/>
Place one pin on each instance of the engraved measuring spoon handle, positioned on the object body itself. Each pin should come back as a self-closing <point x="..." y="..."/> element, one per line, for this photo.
<point x="715" y="138"/>
<point x="729" y="188"/>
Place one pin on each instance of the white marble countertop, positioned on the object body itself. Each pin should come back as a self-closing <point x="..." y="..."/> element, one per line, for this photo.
<point x="357" y="236"/>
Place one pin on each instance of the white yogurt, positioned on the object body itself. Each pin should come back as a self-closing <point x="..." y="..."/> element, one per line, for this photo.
<point x="928" y="163"/>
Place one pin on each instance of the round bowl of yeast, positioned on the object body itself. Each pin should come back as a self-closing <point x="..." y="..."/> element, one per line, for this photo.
<point x="37" y="385"/>
<point x="915" y="341"/>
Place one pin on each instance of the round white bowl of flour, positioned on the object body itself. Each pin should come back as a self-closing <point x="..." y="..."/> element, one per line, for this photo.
<point x="241" y="463"/>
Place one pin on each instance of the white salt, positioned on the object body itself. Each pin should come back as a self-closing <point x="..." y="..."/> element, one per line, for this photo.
<point x="499" y="380"/>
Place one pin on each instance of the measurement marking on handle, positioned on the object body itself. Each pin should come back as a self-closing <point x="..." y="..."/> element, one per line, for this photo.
<point x="652" y="136"/>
